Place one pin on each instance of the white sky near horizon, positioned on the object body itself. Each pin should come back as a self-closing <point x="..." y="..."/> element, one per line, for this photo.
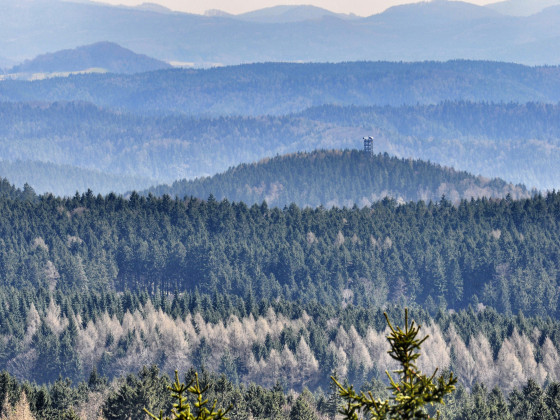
<point x="358" y="7"/>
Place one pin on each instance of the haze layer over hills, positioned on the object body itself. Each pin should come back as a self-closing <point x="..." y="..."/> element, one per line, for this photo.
<point x="516" y="142"/>
<point x="65" y="180"/>
<point x="283" y="88"/>
<point x="438" y="30"/>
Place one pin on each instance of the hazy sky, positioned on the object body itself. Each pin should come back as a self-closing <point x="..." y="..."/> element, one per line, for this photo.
<point x="359" y="7"/>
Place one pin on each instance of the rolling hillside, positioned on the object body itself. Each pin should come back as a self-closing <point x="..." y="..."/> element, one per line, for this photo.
<point x="106" y="56"/>
<point x="340" y="178"/>
<point x="222" y="218"/>
<point x="288" y="13"/>
<point x="517" y="142"/>
<point x="282" y="88"/>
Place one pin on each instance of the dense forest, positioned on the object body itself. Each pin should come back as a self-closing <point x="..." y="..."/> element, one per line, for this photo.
<point x="102" y="296"/>
<point x="339" y="178"/>
<point x="172" y="245"/>
<point x="515" y="142"/>
<point x="282" y="88"/>
<point x="500" y="253"/>
<point x="503" y="253"/>
<point x="269" y="302"/>
<point x="95" y="399"/>
<point x="261" y="353"/>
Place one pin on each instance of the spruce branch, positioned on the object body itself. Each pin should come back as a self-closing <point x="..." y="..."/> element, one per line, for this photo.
<point x="410" y="392"/>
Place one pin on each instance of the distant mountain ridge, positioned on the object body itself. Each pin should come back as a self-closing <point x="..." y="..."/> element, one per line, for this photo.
<point x="434" y="12"/>
<point x="283" y="88"/>
<point x="339" y="178"/>
<point x="522" y="7"/>
<point x="437" y="30"/>
<point x="286" y="14"/>
<point x="107" y="56"/>
<point x="154" y="7"/>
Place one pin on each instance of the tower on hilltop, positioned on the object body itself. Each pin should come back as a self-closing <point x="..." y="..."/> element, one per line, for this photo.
<point x="368" y="145"/>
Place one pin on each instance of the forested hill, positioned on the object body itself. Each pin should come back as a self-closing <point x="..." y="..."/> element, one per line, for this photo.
<point x="504" y="253"/>
<point x="106" y="56"/>
<point x="339" y="178"/>
<point x="516" y="142"/>
<point x="107" y="282"/>
<point x="281" y="88"/>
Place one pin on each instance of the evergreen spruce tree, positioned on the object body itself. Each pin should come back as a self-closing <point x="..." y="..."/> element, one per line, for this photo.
<point x="301" y="410"/>
<point x="497" y="405"/>
<point x="411" y="392"/>
<point x="182" y="409"/>
<point x="334" y="398"/>
<point x="552" y="399"/>
<point x="70" y="363"/>
<point x="147" y="389"/>
<point x="277" y="400"/>
<point x="534" y="406"/>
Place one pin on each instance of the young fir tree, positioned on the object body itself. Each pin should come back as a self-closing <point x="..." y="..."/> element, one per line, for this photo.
<point x="411" y="392"/>
<point x="301" y="410"/>
<point x="182" y="410"/>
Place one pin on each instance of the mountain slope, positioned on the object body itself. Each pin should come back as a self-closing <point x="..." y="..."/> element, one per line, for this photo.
<point x="285" y="14"/>
<point x="438" y="30"/>
<point x="281" y="88"/>
<point x="522" y="7"/>
<point x="339" y="178"/>
<point x="434" y="12"/>
<point x="105" y="55"/>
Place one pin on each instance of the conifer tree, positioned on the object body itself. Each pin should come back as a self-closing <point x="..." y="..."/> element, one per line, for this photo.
<point x="182" y="409"/>
<point x="334" y="398"/>
<point x="411" y="392"/>
<point x="301" y="410"/>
